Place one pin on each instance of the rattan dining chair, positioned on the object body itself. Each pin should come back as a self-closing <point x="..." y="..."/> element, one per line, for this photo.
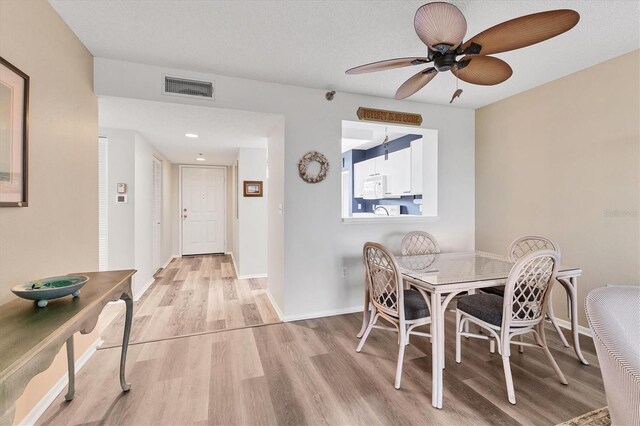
<point x="521" y="247"/>
<point x="521" y="311"/>
<point x="403" y="309"/>
<point x="417" y="243"/>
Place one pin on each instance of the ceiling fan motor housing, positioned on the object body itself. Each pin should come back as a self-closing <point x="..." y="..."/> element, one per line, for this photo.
<point x="444" y="62"/>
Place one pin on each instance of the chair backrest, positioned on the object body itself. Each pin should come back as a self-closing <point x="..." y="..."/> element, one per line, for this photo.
<point x="530" y="243"/>
<point x="384" y="279"/>
<point x="419" y="242"/>
<point x="527" y="288"/>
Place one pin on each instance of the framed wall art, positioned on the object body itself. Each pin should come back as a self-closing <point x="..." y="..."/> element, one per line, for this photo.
<point x="252" y="188"/>
<point x="14" y="120"/>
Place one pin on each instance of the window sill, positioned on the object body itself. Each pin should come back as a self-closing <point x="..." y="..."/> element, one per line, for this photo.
<point x="389" y="219"/>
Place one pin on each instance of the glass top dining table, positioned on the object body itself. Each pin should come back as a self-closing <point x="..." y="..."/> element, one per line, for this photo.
<point x="440" y="277"/>
<point x="460" y="269"/>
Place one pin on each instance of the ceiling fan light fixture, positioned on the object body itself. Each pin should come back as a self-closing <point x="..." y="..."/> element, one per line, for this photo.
<point x="442" y="27"/>
<point x="439" y="24"/>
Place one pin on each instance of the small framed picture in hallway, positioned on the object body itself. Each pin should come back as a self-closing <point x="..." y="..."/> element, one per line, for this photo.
<point x="253" y="188"/>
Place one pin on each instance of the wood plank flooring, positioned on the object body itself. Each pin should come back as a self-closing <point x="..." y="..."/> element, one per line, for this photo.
<point x="308" y="373"/>
<point x="195" y="294"/>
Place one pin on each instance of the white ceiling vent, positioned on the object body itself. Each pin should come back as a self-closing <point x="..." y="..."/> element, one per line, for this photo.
<point x="177" y="86"/>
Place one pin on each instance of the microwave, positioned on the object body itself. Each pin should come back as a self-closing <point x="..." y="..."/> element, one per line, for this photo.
<point x="375" y="187"/>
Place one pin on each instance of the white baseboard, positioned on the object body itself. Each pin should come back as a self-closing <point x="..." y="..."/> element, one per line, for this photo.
<point x="274" y="304"/>
<point x="582" y="330"/>
<point x="32" y="417"/>
<point x="243" y="277"/>
<point x="233" y="261"/>
<point x="139" y="293"/>
<point x="175" y="256"/>
<point x="321" y="314"/>
<point x="246" y="277"/>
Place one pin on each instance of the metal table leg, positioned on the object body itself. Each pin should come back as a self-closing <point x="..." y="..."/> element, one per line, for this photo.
<point x="71" y="368"/>
<point x="125" y="340"/>
<point x="571" y="285"/>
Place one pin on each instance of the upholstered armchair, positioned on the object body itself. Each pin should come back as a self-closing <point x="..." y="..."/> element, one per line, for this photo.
<point x="614" y="318"/>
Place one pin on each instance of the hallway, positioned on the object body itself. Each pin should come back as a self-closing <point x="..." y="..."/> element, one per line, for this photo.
<point x="195" y="295"/>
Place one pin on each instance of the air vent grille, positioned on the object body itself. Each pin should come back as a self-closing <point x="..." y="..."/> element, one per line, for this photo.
<point x="186" y="87"/>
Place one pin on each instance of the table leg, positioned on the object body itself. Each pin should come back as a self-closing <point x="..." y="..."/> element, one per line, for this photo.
<point x="71" y="368"/>
<point x="366" y="313"/>
<point x="571" y="285"/>
<point x="125" y="340"/>
<point x="436" y="371"/>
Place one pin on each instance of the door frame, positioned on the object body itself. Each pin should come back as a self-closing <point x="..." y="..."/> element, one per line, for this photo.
<point x="226" y="201"/>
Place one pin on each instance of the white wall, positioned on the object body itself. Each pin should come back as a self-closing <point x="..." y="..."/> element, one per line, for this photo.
<point x="231" y="208"/>
<point x="275" y="213"/>
<point x="121" y="166"/>
<point x="252" y="223"/>
<point x="131" y="224"/>
<point x="316" y="242"/>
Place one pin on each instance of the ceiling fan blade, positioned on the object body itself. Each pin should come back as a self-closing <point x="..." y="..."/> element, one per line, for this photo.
<point x="483" y="70"/>
<point x="524" y="31"/>
<point x="415" y="83"/>
<point x="441" y="24"/>
<point x="388" y="64"/>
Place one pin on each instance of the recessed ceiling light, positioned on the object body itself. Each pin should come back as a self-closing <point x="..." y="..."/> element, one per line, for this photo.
<point x="191" y="135"/>
<point x="200" y="158"/>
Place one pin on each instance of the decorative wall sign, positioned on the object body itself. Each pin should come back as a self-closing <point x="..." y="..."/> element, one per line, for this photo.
<point x="384" y="116"/>
<point x="306" y="160"/>
<point x="253" y="188"/>
<point x="14" y="109"/>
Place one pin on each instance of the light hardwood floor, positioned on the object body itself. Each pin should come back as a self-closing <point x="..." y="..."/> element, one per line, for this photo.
<point x="195" y="294"/>
<point x="308" y="373"/>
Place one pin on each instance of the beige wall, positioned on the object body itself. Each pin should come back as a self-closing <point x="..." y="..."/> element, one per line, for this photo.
<point x="563" y="160"/>
<point x="57" y="233"/>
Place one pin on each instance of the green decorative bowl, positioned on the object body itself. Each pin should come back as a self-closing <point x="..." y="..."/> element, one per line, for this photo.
<point x="50" y="288"/>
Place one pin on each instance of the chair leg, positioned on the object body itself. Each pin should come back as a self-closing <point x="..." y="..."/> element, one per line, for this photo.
<point x="509" y="379"/>
<point x="402" y="346"/>
<point x="458" y="319"/>
<point x="366" y="333"/>
<point x="520" y="347"/>
<point x="552" y="318"/>
<point x="542" y="342"/>
<point x="492" y="345"/>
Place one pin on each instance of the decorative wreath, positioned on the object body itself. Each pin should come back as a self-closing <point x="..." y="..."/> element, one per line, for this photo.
<point x="308" y="158"/>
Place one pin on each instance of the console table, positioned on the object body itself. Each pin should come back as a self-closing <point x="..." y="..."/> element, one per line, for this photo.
<point x="30" y="337"/>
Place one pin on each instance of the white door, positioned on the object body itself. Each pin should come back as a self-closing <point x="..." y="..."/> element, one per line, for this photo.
<point x="157" y="214"/>
<point x="203" y="210"/>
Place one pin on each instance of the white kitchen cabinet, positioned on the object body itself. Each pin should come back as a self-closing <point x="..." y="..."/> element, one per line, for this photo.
<point x="398" y="171"/>
<point x="381" y="166"/>
<point x="417" y="158"/>
<point x="361" y="170"/>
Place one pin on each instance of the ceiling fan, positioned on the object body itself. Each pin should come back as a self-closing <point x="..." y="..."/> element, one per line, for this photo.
<point x="442" y="27"/>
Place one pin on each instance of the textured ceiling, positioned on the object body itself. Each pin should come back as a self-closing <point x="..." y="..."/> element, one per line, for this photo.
<point x="312" y="43"/>
<point x="221" y="132"/>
